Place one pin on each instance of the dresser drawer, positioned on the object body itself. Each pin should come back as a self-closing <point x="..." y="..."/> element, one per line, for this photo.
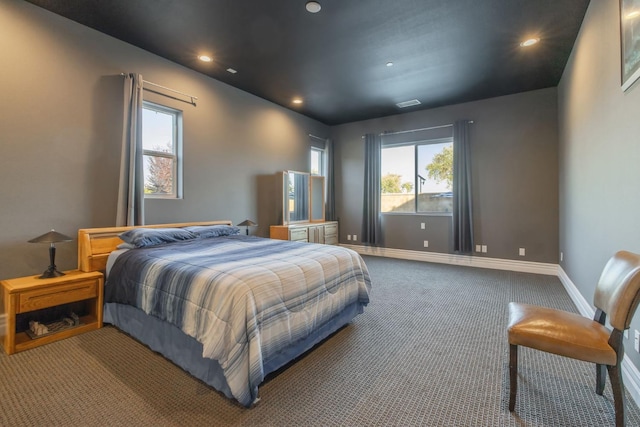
<point x="330" y="230"/>
<point x="299" y="234"/>
<point x="57" y="295"/>
<point x="331" y="240"/>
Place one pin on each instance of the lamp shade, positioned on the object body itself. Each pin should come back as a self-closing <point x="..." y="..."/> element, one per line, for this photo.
<point x="247" y="223"/>
<point x="51" y="237"/>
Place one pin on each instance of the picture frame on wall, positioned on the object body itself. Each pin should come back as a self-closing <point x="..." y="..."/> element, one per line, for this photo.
<point x="630" y="41"/>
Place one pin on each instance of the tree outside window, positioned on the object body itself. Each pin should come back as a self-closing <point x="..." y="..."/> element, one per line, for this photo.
<point x="160" y="173"/>
<point x="161" y="136"/>
<point x="417" y="177"/>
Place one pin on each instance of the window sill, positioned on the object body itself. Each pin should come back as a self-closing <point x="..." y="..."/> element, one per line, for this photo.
<point x="158" y="197"/>
<point x="417" y="213"/>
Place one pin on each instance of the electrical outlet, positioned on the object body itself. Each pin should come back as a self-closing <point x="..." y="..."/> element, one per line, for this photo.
<point x="348" y="236"/>
<point x="355" y="237"/>
<point x="521" y="252"/>
<point x="484" y="249"/>
<point x="422" y="226"/>
<point x="636" y="341"/>
<point x="478" y="248"/>
<point x="561" y="256"/>
<point x="426" y="243"/>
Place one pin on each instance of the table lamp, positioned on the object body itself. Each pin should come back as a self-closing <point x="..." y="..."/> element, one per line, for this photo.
<point x="247" y="223"/>
<point x="52" y="238"/>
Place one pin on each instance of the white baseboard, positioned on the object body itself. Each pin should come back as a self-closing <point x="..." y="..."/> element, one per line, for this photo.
<point x="630" y="374"/>
<point x="465" y="260"/>
<point x="584" y="307"/>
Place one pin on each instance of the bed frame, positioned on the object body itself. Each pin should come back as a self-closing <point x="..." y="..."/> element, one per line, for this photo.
<point x="95" y="244"/>
<point x="94" y="247"/>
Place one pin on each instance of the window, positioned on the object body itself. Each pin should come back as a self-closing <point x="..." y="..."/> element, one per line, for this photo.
<point x="161" y="145"/>
<point x="417" y="177"/>
<point x="317" y="161"/>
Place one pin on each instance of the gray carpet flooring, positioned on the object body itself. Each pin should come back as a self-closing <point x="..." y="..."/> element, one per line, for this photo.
<point x="429" y="350"/>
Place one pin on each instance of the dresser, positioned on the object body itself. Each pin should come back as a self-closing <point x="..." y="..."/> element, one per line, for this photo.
<point x="325" y="232"/>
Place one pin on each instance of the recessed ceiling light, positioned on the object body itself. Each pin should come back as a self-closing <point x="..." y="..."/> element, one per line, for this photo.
<point x="231" y="70"/>
<point x="389" y="64"/>
<point x="313" y="7"/>
<point x="529" y="42"/>
<point x="205" y="58"/>
<point x="297" y="101"/>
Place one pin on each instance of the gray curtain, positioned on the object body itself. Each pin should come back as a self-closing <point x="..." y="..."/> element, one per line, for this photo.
<point x="371" y="228"/>
<point x="130" y="209"/>
<point x="330" y="203"/>
<point x="462" y="206"/>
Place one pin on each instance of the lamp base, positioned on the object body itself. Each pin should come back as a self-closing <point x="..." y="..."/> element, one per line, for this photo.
<point x="51" y="272"/>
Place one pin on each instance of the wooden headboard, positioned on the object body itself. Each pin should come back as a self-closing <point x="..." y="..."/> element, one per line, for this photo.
<point x="95" y="244"/>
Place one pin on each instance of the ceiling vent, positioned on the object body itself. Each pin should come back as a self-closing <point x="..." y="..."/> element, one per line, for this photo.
<point x="406" y="104"/>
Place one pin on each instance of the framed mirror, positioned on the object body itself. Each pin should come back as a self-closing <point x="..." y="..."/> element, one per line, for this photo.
<point x="295" y="197"/>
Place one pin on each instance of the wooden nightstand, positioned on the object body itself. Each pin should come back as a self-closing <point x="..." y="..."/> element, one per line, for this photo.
<point x="24" y="295"/>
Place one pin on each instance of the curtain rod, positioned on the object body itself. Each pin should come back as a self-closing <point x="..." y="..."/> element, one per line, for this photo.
<point x="317" y="137"/>
<point x="417" y="130"/>
<point x="420" y="129"/>
<point x="193" y="98"/>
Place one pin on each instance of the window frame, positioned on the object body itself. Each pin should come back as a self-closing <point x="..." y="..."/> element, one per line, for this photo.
<point x="415" y="144"/>
<point x="175" y="155"/>
<point x="321" y="153"/>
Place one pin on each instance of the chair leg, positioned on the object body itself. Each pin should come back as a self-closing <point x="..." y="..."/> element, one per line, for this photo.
<point x="513" y="376"/>
<point x="601" y="376"/>
<point x="618" y="393"/>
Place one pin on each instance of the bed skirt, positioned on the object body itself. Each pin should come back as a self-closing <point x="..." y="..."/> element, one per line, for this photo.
<point x="186" y="352"/>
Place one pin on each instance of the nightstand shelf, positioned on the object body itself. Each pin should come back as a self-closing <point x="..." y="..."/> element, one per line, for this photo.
<point x="23" y="297"/>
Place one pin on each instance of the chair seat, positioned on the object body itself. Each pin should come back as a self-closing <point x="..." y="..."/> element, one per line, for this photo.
<point x="560" y="332"/>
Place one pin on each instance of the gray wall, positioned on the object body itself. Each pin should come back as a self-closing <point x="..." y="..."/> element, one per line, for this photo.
<point x="514" y="171"/>
<point x="61" y="125"/>
<point x="599" y="155"/>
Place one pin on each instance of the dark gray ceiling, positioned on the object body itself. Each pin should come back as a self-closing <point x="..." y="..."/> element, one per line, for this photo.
<point x="444" y="51"/>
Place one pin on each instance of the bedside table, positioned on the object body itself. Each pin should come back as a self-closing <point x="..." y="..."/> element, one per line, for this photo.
<point x="27" y="294"/>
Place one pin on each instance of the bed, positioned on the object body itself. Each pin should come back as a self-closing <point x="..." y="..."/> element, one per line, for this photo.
<point x="225" y="307"/>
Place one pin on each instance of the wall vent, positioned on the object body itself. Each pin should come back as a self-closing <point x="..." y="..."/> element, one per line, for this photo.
<point x="406" y="104"/>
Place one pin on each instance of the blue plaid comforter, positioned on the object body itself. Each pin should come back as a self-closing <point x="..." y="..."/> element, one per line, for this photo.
<point x="244" y="298"/>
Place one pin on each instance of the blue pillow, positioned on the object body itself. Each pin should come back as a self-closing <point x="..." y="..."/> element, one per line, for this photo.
<point x="141" y="237"/>
<point x="206" y="231"/>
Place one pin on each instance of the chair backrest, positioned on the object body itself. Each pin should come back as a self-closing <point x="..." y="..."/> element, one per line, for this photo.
<point x="618" y="291"/>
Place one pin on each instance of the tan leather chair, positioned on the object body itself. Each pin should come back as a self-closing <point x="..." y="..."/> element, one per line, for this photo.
<point x="575" y="336"/>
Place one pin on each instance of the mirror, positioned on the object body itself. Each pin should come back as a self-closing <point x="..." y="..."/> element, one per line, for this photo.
<point x="317" y="198"/>
<point x="296" y="197"/>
